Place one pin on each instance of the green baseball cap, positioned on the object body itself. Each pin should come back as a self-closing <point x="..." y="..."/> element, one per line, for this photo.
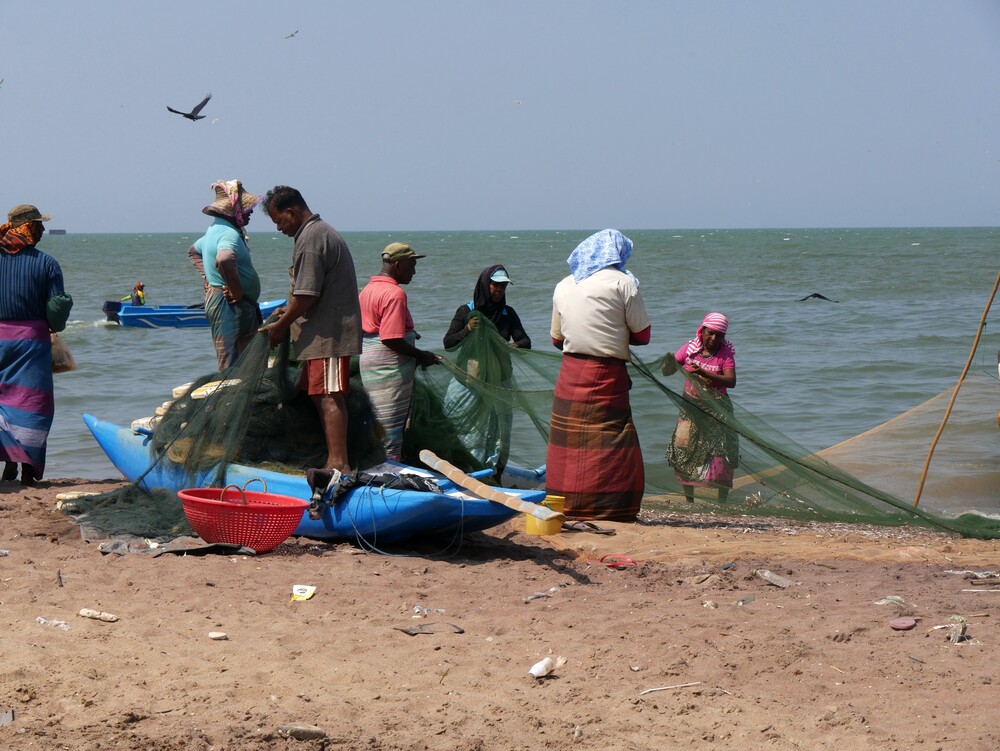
<point x="399" y="251"/>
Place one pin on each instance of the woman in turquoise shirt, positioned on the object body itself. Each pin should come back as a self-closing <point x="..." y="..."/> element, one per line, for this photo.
<point x="232" y="286"/>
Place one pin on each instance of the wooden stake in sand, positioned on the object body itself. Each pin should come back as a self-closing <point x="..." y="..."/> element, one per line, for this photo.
<point x="483" y="490"/>
<point x="668" y="688"/>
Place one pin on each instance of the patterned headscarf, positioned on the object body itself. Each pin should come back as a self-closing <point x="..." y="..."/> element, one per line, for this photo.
<point x="232" y="201"/>
<point x="609" y="247"/>
<point x="713" y="322"/>
<point x="16" y="239"/>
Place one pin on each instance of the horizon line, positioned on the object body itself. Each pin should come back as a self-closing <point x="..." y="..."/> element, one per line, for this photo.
<point x="65" y="232"/>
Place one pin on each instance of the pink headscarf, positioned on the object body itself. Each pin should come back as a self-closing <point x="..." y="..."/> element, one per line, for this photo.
<point x="712" y="322"/>
<point x="715" y="322"/>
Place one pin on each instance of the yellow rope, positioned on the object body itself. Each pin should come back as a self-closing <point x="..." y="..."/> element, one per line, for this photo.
<point x="954" y="396"/>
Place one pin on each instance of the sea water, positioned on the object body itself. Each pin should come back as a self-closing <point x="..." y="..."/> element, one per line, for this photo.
<point x="908" y="304"/>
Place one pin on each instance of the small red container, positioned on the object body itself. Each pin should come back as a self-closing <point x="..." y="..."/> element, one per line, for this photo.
<point x="235" y="516"/>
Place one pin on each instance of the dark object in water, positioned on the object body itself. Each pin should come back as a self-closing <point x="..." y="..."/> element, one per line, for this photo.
<point x="193" y="114"/>
<point x="111" y="309"/>
<point x="818" y="296"/>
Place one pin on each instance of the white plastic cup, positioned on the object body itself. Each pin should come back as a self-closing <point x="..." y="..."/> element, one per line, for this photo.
<point x="543" y="667"/>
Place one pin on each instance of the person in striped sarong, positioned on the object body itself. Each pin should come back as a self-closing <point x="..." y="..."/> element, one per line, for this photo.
<point x="232" y="286"/>
<point x="32" y="303"/>
<point x="593" y="458"/>
<point x="389" y="357"/>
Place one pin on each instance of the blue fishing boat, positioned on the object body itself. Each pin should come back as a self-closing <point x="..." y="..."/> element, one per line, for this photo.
<point x="367" y="514"/>
<point x="168" y="316"/>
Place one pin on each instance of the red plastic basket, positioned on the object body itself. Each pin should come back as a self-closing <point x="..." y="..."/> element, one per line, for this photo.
<point x="235" y="516"/>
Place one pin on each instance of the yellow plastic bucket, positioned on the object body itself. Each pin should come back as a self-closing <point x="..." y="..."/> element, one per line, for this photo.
<point x="536" y="526"/>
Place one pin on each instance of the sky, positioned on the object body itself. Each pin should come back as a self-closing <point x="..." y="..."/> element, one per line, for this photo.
<point x="520" y="114"/>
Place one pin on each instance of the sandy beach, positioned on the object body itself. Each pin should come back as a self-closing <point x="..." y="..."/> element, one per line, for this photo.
<point x="680" y="643"/>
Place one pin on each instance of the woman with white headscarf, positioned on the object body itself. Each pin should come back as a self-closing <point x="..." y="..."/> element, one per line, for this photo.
<point x="593" y="458"/>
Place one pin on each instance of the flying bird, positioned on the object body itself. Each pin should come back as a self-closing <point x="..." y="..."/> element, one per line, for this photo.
<point x="292" y="34"/>
<point x="193" y="114"/>
<point x="817" y="296"/>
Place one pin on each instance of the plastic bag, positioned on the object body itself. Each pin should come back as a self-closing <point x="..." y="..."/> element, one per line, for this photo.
<point x="62" y="358"/>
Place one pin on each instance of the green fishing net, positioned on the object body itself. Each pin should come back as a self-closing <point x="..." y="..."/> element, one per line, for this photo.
<point x="489" y="392"/>
<point x="487" y="405"/>
<point x="255" y="414"/>
<point x="252" y="413"/>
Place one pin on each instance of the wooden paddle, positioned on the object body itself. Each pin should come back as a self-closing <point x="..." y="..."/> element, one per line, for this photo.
<point x="459" y="477"/>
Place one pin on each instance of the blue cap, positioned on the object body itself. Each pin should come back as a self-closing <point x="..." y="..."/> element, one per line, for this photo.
<point x="500" y="277"/>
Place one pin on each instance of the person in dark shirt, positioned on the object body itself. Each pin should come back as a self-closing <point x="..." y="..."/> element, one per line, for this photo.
<point x="484" y="425"/>
<point x="490" y="299"/>
<point x="138" y="296"/>
<point x="33" y="303"/>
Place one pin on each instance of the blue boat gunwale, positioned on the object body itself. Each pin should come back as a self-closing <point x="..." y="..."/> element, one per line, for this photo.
<point x="370" y="515"/>
<point x="173" y="315"/>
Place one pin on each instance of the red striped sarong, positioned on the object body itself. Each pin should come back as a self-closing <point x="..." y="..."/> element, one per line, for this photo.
<point x="593" y="457"/>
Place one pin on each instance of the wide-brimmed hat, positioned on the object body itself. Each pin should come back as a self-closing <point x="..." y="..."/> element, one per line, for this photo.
<point x="399" y="251"/>
<point x="231" y="199"/>
<point x="25" y="213"/>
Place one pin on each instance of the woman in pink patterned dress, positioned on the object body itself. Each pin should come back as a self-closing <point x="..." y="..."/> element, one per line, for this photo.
<point x="703" y="451"/>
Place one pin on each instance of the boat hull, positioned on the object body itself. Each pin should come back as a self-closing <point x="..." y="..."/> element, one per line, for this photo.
<point x="168" y="316"/>
<point x="369" y="516"/>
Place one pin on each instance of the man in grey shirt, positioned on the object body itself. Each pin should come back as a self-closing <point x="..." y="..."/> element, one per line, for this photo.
<point x="322" y="315"/>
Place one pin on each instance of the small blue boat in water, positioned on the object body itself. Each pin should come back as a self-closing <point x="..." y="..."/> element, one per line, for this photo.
<point x="366" y="514"/>
<point x="168" y="316"/>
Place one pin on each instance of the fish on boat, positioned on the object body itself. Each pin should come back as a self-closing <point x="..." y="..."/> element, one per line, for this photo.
<point x="367" y="514"/>
<point x="168" y="316"/>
